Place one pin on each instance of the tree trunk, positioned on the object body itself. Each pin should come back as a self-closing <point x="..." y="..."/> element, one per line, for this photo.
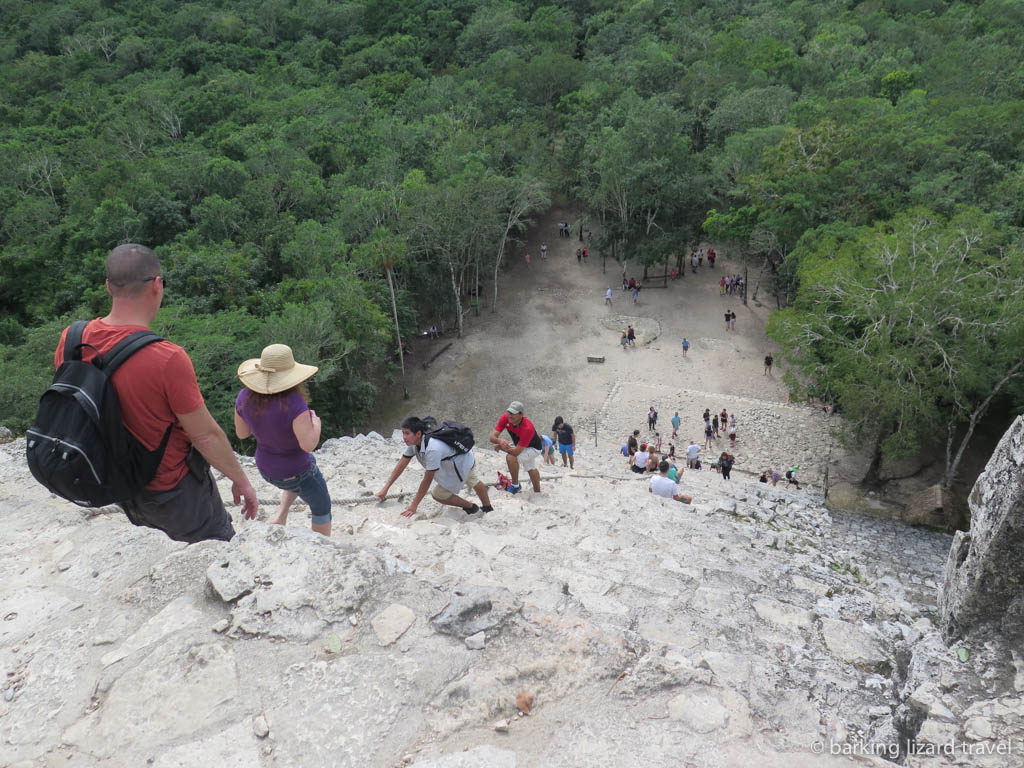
<point x="476" y="288"/>
<point x="458" y="299"/>
<point x="952" y="464"/>
<point x="497" y="266"/>
<point x="398" y="332"/>
<point x="757" y="286"/>
<point x="873" y="478"/>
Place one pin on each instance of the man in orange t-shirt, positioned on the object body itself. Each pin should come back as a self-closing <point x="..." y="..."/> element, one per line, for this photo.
<point x="157" y="389"/>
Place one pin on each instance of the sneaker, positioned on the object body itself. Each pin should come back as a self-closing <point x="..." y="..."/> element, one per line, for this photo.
<point x="487" y="509"/>
<point x="515" y="488"/>
<point x="473" y="510"/>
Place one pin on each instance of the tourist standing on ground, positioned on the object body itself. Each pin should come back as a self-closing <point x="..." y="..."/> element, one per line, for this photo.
<point x="725" y="462"/>
<point x="686" y="346"/>
<point x="721" y="286"/>
<point x="791" y="477"/>
<point x="579" y="255"/>
<point x="652" y="418"/>
<point x="724" y="418"/>
<point x="676" y="421"/>
<point x="711" y="257"/>
<point x="624" y="340"/>
<point x="714" y="425"/>
<point x="543" y="250"/>
<point x="768" y="362"/>
<point x="563" y="433"/>
<point x="692" y="452"/>
<point x="636" y="293"/>
<point x="160" y="401"/>
<point x="732" y="432"/>
<point x="708" y="433"/>
<point x="608" y="297"/>
<point x="728" y="316"/>
<point x="631" y="336"/>
<point x="524" y="447"/>
<point x="439" y="460"/>
<point x="274" y="408"/>
<point x="732" y="320"/>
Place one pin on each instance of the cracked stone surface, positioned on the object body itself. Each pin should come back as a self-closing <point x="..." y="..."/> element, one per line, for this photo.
<point x="753" y="627"/>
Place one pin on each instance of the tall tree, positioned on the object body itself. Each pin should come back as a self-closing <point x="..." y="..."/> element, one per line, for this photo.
<point x="913" y="328"/>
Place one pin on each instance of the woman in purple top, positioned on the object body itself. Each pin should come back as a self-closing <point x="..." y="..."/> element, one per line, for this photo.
<point x="274" y="409"/>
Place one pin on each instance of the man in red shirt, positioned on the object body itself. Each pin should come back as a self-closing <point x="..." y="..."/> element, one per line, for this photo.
<point x="524" y="448"/>
<point x="157" y="389"/>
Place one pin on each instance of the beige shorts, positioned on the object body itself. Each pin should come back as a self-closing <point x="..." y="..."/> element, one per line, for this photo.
<point x="440" y="494"/>
<point x="528" y="459"/>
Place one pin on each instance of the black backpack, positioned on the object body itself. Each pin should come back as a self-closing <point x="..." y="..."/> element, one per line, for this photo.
<point x="78" y="446"/>
<point x="454" y="434"/>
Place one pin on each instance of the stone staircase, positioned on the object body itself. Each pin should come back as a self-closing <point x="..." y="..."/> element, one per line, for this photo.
<point x="751" y="627"/>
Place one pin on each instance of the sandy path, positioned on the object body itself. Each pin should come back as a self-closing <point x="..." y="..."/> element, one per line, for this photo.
<point x="551" y="315"/>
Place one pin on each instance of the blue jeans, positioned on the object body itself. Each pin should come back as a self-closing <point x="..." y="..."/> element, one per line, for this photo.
<point x="311" y="488"/>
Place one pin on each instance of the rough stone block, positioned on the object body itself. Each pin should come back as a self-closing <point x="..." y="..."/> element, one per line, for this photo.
<point x="983" y="582"/>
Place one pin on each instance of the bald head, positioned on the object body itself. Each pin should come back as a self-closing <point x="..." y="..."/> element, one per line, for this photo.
<point x="129" y="269"/>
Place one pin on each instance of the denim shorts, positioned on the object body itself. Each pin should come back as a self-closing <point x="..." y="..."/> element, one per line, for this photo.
<point x="311" y="488"/>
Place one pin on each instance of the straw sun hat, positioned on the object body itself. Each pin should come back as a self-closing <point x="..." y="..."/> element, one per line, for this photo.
<point x="275" y="370"/>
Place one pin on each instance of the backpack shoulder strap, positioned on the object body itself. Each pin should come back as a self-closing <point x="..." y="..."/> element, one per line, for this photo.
<point x="73" y="340"/>
<point x="126" y="348"/>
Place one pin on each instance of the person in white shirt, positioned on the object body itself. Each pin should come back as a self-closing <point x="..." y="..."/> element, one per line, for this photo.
<point x="663" y="485"/>
<point x="608" y="297"/>
<point x="692" y="451"/>
<point x="638" y="461"/>
<point x="440" y="462"/>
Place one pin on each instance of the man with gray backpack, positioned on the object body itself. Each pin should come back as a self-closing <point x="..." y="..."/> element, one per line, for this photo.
<point x="124" y="421"/>
<point x="445" y="452"/>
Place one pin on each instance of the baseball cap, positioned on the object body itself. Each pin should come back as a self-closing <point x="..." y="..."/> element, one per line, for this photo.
<point x="515" y="407"/>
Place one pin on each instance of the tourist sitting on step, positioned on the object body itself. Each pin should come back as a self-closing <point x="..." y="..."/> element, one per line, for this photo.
<point x="662" y="485"/>
<point x="653" y="460"/>
<point x="638" y="461"/>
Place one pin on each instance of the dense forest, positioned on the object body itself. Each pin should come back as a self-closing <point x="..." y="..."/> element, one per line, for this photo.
<point x="333" y="173"/>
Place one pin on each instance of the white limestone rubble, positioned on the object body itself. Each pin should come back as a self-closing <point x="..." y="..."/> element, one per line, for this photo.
<point x="749" y="628"/>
